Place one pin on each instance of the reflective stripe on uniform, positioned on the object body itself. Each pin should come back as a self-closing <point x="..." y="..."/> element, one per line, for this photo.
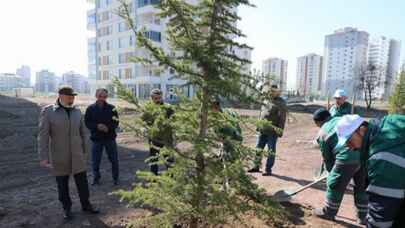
<point x="380" y="224"/>
<point x="389" y="157"/>
<point x="332" y="205"/>
<point x="388" y="192"/>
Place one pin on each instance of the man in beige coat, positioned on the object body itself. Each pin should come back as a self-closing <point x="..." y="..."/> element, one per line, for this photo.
<point x="62" y="147"/>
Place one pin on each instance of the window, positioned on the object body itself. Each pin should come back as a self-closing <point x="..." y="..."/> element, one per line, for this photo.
<point x="127" y="73"/>
<point x="142" y="3"/>
<point x="105" y="60"/>
<point x="120" y="43"/>
<point x="104" y="16"/>
<point x="108" y="45"/>
<point x="154" y="36"/>
<point x="108" y="2"/>
<point x="104" y="31"/>
<point x="132" y="88"/>
<point x="125" y="57"/>
<point x="91" y="19"/>
<point x="99" y="46"/>
<point x="105" y="75"/>
<point x="120" y="73"/>
<point x="144" y="91"/>
<point x="123" y="26"/>
<point x="131" y="40"/>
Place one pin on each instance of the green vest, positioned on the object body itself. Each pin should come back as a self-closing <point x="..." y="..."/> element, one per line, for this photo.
<point x="386" y="157"/>
<point x="327" y="140"/>
<point x="345" y="109"/>
<point x="162" y="132"/>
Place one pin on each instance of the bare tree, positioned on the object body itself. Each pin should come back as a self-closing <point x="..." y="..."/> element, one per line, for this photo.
<point x="368" y="82"/>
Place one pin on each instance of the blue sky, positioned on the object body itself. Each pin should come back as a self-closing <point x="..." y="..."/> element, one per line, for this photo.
<point x="292" y="28"/>
<point x="50" y="34"/>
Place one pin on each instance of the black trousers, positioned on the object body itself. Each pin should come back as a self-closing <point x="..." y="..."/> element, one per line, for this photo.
<point x="82" y="188"/>
<point x="385" y="212"/>
<point x="154" y="150"/>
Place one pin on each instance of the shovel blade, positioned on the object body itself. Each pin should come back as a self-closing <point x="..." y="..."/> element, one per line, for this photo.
<point x="282" y="196"/>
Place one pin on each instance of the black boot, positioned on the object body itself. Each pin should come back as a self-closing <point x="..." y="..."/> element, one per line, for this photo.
<point x="321" y="213"/>
<point x="90" y="209"/>
<point x="67" y="214"/>
<point x="96" y="181"/>
<point x="254" y="170"/>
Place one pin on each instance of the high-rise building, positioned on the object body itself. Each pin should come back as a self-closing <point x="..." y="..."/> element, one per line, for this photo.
<point x="309" y="75"/>
<point x="113" y="46"/>
<point x="46" y="82"/>
<point x="92" y="64"/>
<point x="345" y="53"/>
<point x="78" y="82"/>
<point x="276" y="68"/>
<point x="9" y="81"/>
<point x="25" y="73"/>
<point x="110" y="51"/>
<point x="384" y="54"/>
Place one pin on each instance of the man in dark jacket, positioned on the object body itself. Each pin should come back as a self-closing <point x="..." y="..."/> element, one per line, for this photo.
<point x="164" y="136"/>
<point x="102" y="119"/>
<point x="276" y="112"/>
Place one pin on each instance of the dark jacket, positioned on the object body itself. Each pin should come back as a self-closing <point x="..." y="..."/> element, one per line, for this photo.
<point x="276" y="112"/>
<point x="106" y="115"/>
<point x="164" y="135"/>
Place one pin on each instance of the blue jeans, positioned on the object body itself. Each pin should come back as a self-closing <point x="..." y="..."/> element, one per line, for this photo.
<point x="270" y="141"/>
<point x="97" y="153"/>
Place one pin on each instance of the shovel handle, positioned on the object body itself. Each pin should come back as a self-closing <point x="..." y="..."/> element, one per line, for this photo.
<point x="308" y="185"/>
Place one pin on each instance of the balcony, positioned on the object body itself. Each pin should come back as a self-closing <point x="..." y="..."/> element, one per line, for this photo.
<point x="146" y="7"/>
<point x="151" y="27"/>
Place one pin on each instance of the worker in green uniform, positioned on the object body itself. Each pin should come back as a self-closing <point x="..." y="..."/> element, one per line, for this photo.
<point x="342" y="165"/>
<point x="341" y="106"/>
<point x="163" y="135"/>
<point x="230" y="131"/>
<point x="382" y="144"/>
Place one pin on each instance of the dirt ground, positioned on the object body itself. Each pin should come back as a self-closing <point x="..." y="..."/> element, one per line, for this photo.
<point x="28" y="196"/>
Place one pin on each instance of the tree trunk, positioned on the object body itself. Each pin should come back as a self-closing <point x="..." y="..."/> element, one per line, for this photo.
<point x="200" y="169"/>
<point x="369" y="97"/>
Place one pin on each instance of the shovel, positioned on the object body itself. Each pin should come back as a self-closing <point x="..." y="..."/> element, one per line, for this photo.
<point x="284" y="195"/>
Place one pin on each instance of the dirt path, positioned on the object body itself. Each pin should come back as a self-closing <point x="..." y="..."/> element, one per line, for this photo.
<point x="28" y="196"/>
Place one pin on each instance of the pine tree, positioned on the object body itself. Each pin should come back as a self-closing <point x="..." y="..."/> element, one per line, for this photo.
<point x="397" y="99"/>
<point x="204" y="186"/>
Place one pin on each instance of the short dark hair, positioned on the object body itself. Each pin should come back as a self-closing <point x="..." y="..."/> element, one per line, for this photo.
<point x="66" y="90"/>
<point x="321" y="115"/>
<point x="102" y="89"/>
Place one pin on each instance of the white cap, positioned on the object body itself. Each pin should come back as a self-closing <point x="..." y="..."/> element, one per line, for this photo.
<point x="339" y="93"/>
<point x="346" y="126"/>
